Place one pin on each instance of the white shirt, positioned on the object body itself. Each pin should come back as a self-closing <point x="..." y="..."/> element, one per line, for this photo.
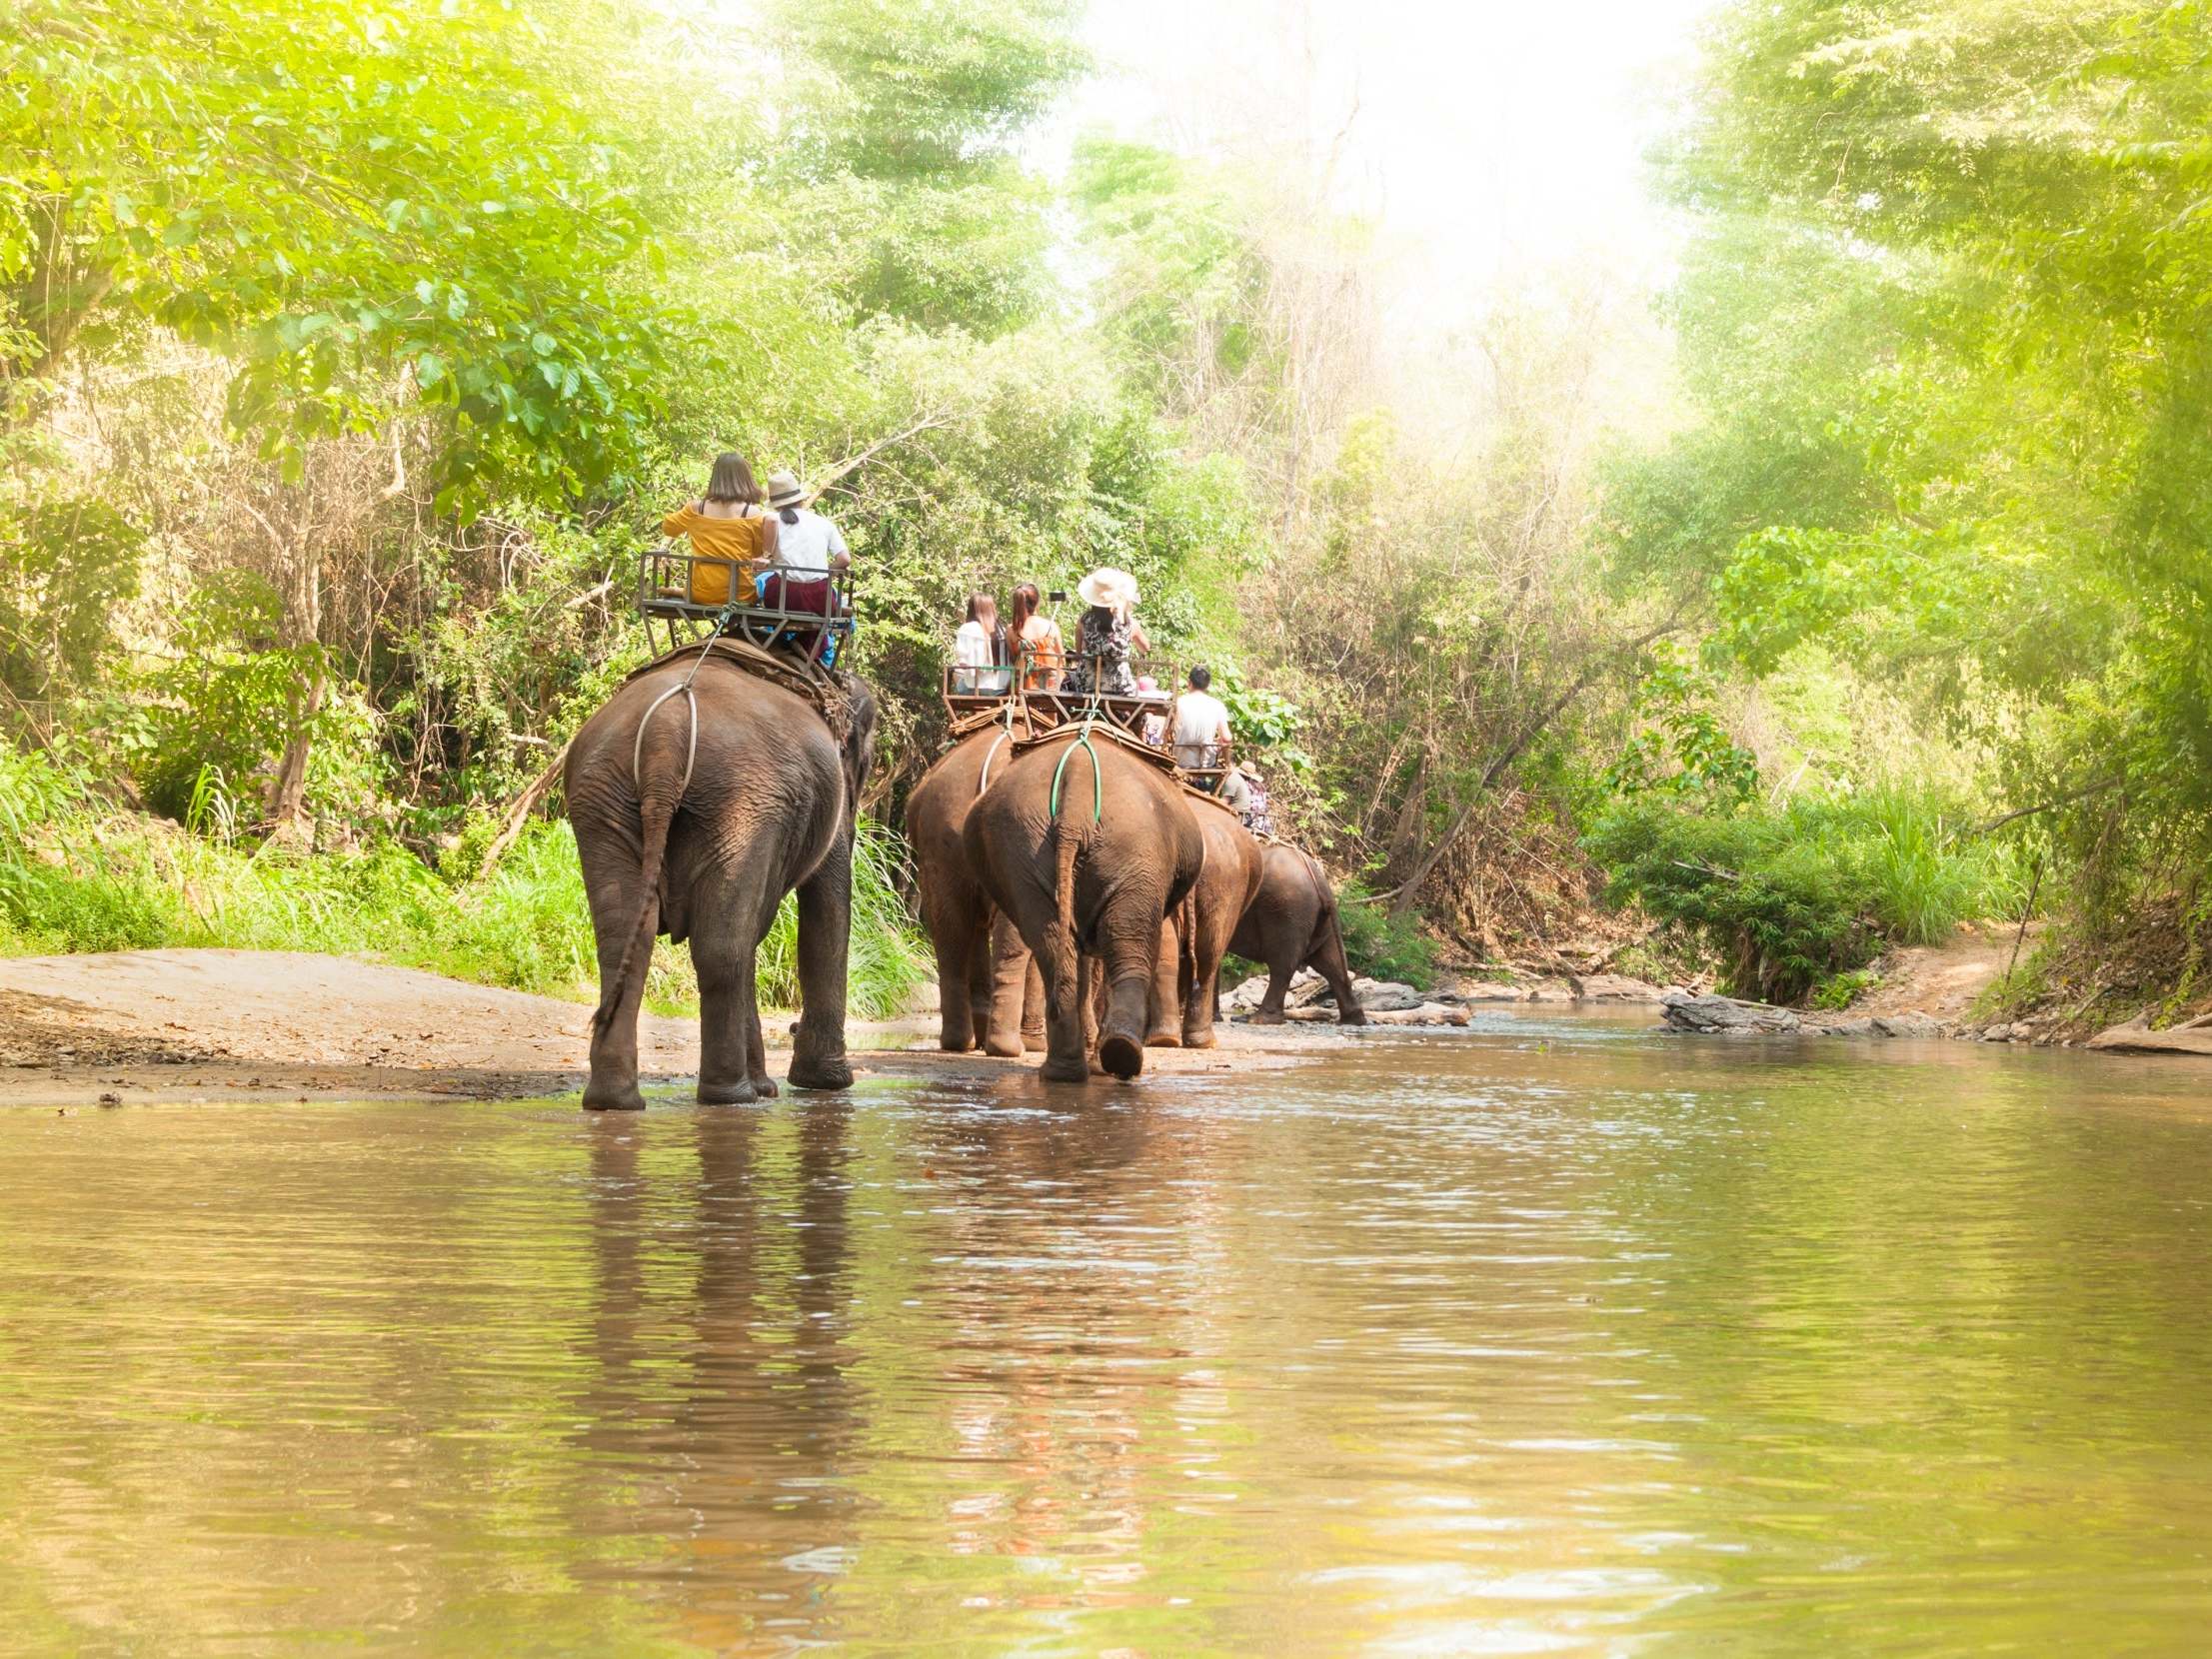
<point x="972" y="649"/>
<point x="1199" y="720"/>
<point x="806" y="547"/>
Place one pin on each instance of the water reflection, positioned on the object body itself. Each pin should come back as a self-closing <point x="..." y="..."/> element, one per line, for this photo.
<point x="1562" y="1338"/>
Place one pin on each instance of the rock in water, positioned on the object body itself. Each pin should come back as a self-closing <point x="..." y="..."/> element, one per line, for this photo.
<point x="1384" y="996"/>
<point x="1726" y="1014"/>
<point x="1613" y="987"/>
<point x="1913" y="1024"/>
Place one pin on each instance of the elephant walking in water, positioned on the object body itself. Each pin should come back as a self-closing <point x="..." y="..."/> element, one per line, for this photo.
<point x="1291" y="924"/>
<point x="974" y="942"/>
<point x="694" y="823"/>
<point x="1087" y="847"/>
<point x="1197" y="933"/>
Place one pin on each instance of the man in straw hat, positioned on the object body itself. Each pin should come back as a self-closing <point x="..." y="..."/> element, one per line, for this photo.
<point x="1106" y="633"/>
<point x="807" y="551"/>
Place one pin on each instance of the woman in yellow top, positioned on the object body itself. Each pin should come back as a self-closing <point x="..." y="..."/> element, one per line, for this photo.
<point x="730" y="533"/>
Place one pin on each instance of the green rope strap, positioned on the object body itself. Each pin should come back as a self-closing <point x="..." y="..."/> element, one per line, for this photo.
<point x="1097" y="780"/>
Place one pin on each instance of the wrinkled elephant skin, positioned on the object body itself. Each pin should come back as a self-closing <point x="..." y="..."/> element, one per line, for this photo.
<point x="1186" y="988"/>
<point x="977" y="949"/>
<point x="1291" y="924"/>
<point x="768" y="807"/>
<point x="1089" y="886"/>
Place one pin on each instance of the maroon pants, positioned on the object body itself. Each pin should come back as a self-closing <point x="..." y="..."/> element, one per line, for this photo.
<point x="813" y="594"/>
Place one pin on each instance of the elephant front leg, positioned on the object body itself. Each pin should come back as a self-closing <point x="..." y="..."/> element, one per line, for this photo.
<point x="1012" y="968"/>
<point x="825" y="943"/>
<point x="1166" y="1002"/>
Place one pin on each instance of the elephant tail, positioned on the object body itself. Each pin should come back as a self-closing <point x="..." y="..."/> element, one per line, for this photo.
<point x="660" y="792"/>
<point x="1066" y="848"/>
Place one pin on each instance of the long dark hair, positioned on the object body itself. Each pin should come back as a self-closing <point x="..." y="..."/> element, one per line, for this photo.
<point x="732" y="480"/>
<point x="1026" y="598"/>
<point x="977" y="598"/>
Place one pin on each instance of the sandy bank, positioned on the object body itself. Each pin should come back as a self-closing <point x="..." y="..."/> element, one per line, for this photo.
<point x="236" y="1024"/>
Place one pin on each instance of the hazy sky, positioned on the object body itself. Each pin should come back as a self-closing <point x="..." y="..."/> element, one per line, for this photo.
<point x="1488" y="136"/>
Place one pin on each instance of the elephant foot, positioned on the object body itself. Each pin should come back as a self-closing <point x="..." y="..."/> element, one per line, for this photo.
<point x="1353" y="1016"/>
<point x="830" y="1071"/>
<point x="741" y="1092"/>
<point x="1005" y="1048"/>
<point x="1122" y="1056"/>
<point x="624" y="1098"/>
<point x="1199" y="1040"/>
<point x="1267" y="1017"/>
<point x="1162" y="1040"/>
<point x="1032" y="1043"/>
<point x="954" y="1043"/>
<point x="1064" y="1072"/>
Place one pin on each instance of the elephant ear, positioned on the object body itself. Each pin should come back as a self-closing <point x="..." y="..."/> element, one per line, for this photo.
<point x="860" y="742"/>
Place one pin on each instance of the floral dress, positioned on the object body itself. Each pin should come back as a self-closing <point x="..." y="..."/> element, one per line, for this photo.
<point x="1102" y="650"/>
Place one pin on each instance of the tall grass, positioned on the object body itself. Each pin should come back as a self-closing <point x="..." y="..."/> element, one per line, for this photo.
<point x="1792" y="898"/>
<point x="77" y="875"/>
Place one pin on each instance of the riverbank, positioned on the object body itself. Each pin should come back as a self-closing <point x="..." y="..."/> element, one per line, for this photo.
<point x="194" y="1025"/>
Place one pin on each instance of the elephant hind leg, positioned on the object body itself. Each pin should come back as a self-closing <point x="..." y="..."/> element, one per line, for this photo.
<point x="609" y="883"/>
<point x="732" y="1059"/>
<point x="1011" y="969"/>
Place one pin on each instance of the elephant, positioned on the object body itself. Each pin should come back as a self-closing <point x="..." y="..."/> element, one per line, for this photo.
<point x="1291" y="924"/>
<point x="1196" y="933"/>
<point x="974" y="943"/>
<point x="1087" y="847"/>
<point x="694" y="823"/>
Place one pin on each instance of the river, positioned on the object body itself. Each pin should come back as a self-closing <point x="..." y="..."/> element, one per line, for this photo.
<point x="1559" y="1335"/>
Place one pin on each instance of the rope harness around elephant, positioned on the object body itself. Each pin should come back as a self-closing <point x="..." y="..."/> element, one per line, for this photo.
<point x="1097" y="773"/>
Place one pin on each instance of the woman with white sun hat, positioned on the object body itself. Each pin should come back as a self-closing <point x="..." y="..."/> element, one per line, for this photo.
<point x="1106" y="633"/>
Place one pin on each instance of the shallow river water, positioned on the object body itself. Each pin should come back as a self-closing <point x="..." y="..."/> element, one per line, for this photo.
<point x="1556" y="1336"/>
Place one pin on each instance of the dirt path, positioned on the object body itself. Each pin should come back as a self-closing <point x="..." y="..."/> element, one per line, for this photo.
<point x="1944" y="979"/>
<point x="235" y="1024"/>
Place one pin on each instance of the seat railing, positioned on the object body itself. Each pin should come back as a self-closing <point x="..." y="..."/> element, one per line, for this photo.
<point x="669" y="578"/>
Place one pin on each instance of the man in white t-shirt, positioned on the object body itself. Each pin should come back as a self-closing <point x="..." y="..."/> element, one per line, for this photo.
<point x="1200" y="723"/>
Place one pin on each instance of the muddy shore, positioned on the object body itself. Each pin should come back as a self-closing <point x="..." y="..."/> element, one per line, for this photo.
<point x="154" y="1025"/>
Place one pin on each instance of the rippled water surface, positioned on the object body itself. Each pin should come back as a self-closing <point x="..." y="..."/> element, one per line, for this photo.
<point x="1557" y="1337"/>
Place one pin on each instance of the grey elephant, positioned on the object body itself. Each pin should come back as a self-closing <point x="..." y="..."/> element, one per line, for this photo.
<point x="1291" y="924"/>
<point x="696" y="831"/>
<point x="1087" y="847"/>
<point x="975" y="944"/>
<point x="1185" y="985"/>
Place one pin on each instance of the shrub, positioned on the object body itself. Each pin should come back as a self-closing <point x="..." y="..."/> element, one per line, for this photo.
<point x="1790" y="898"/>
<point x="1381" y="945"/>
<point x="76" y="876"/>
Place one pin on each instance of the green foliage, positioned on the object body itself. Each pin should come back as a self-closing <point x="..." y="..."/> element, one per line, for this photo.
<point x="75" y="876"/>
<point x="230" y="699"/>
<point x="1684" y="748"/>
<point x="1945" y="322"/>
<point x="1381" y="945"/>
<point x="368" y="207"/>
<point x="65" y="567"/>
<point x="1790" y="898"/>
<point x="1842" y="990"/>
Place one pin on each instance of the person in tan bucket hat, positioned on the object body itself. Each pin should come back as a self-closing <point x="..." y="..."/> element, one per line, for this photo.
<point x="809" y="553"/>
<point x="1106" y="633"/>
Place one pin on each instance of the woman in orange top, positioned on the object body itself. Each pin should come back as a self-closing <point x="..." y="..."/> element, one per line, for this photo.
<point x="1037" y="638"/>
<point x="730" y="533"/>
